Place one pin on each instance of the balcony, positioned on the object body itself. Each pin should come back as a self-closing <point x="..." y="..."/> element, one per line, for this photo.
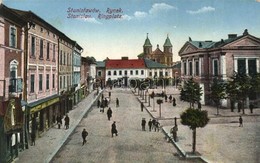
<point x="16" y="85"/>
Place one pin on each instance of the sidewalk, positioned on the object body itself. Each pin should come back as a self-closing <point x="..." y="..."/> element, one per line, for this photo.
<point x="218" y="138"/>
<point x="49" y="144"/>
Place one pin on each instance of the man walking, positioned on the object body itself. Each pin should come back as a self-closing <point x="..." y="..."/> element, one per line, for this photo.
<point x="67" y="121"/>
<point x="143" y="124"/>
<point x="157" y="126"/>
<point x="113" y="129"/>
<point x="84" y="135"/>
<point x="142" y="106"/>
<point x="150" y="123"/>
<point x="240" y="122"/>
<point x="117" y="102"/>
<point x="109" y="113"/>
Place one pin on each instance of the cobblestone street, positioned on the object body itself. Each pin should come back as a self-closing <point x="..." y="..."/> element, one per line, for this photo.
<point x="131" y="145"/>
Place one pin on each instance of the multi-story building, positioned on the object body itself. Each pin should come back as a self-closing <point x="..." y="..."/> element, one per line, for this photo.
<point x="84" y="76"/>
<point x="66" y="46"/>
<point x="101" y="73"/>
<point x="163" y="57"/>
<point x="40" y="73"/>
<point x="122" y="71"/>
<point x="12" y="28"/>
<point x="76" y="72"/>
<point x="205" y="60"/>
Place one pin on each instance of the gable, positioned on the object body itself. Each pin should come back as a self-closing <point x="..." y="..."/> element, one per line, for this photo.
<point x="245" y="41"/>
<point x="188" y="48"/>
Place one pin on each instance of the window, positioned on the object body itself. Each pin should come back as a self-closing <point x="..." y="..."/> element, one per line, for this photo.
<point x="47" y="81"/>
<point x="142" y="72"/>
<point x="40" y="82"/>
<point x="60" y="57"/>
<point x="64" y="82"/>
<point x="60" y="82"/>
<point x="166" y="73"/>
<point x="131" y="72"/>
<point x="53" y="80"/>
<point x="109" y="73"/>
<point x="136" y="72"/>
<point x="48" y="51"/>
<point x="197" y="68"/>
<point x="13" y="76"/>
<point x="120" y="72"/>
<point x="185" y="68"/>
<point x="241" y="66"/>
<point x="114" y="72"/>
<point x="125" y="72"/>
<point x="99" y="73"/>
<point x="161" y="74"/>
<point x="32" y="83"/>
<point x="12" y="42"/>
<point x="41" y="29"/>
<point x="155" y="74"/>
<point x="252" y="67"/>
<point x="33" y="46"/>
<point x="53" y="52"/>
<point x="215" y="67"/>
<point x="41" y="49"/>
<point x="191" y="68"/>
<point x="150" y="73"/>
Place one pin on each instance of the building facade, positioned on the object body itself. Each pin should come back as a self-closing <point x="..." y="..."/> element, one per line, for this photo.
<point x="205" y="60"/>
<point x="101" y="73"/>
<point x="11" y="74"/>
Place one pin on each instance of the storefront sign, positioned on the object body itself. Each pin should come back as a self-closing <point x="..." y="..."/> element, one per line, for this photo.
<point x="44" y="105"/>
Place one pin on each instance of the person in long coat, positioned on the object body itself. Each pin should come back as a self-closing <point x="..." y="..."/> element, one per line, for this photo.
<point x="84" y="134"/>
<point x="113" y="129"/>
<point x="109" y="113"/>
<point x="98" y="103"/>
<point x="143" y="123"/>
<point x="67" y="121"/>
<point x="117" y="102"/>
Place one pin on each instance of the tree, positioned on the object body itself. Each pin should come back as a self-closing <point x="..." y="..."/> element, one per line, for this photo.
<point x="194" y="118"/>
<point x="239" y="88"/>
<point x="191" y="92"/>
<point x="218" y="92"/>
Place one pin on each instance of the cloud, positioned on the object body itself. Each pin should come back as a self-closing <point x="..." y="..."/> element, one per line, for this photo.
<point x="257" y="0"/>
<point x="157" y="7"/>
<point x="125" y="17"/>
<point x="202" y="10"/>
<point x="90" y="20"/>
<point x="140" y="14"/>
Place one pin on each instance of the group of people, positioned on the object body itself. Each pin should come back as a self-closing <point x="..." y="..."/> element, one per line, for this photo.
<point x="171" y="99"/>
<point x="152" y="125"/>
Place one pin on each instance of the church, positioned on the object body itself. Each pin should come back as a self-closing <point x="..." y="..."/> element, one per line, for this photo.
<point x="164" y="57"/>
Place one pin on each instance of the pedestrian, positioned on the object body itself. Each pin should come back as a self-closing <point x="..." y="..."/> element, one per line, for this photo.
<point x="165" y="97"/>
<point x="109" y="113"/>
<point x="170" y="98"/>
<point x="240" y="121"/>
<point x="84" y="134"/>
<point x="173" y="102"/>
<point x="59" y="121"/>
<point x="157" y="125"/>
<point x="142" y="106"/>
<point x="106" y="102"/>
<point x="98" y="103"/>
<point x="113" y="129"/>
<point x="102" y="96"/>
<point x="117" y="102"/>
<point x="143" y="123"/>
<point x="251" y="107"/>
<point x="109" y="94"/>
<point x="33" y="136"/>
<point x="150" y="123"/>
<point x="67" y="121"/>
<point x="153" y="123"/>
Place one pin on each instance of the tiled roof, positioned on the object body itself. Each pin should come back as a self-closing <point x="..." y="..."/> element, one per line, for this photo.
<point x="157" y="51"/>
<point x="128" y="63"/>
<point x="152" y="64"/>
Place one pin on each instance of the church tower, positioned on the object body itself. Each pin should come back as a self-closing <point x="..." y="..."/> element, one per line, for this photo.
<point x="147" y="47"/>
<point x="167" y="49"/>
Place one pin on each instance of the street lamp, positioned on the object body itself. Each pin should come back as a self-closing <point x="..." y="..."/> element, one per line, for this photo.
<point x="175" y="78"/>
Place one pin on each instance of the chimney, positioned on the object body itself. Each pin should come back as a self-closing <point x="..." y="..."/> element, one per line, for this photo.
<point x="124" y="58"/>
<point x="232" y="36"/>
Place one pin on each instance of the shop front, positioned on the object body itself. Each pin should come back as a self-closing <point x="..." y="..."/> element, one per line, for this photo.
<point x="42" y="114"/>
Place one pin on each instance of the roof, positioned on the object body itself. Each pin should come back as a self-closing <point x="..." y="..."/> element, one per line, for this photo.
<point x="152" y="64"/>
<point x="101" y="64"/>
<point x="202" y="44"/>
<point x="158" y="51"/>
<point x="147" y="42"/>
<point x="167" y="42"/>
<point x="141" y="55"/>
<point x="128" y="63"/>
<point x="9" y="14"/>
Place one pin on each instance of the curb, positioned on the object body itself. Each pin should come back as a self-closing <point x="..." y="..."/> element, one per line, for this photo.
<point x="72" y="129"/>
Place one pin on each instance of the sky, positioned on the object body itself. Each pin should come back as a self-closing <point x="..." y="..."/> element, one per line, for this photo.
<point x="89" y="22"/>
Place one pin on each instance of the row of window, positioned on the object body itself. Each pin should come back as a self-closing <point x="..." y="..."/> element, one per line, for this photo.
<point x="125" y="72"/>
<point x="40" y="82"/>
<point x="65" y="81"/>
<point x="65" y="59"/>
